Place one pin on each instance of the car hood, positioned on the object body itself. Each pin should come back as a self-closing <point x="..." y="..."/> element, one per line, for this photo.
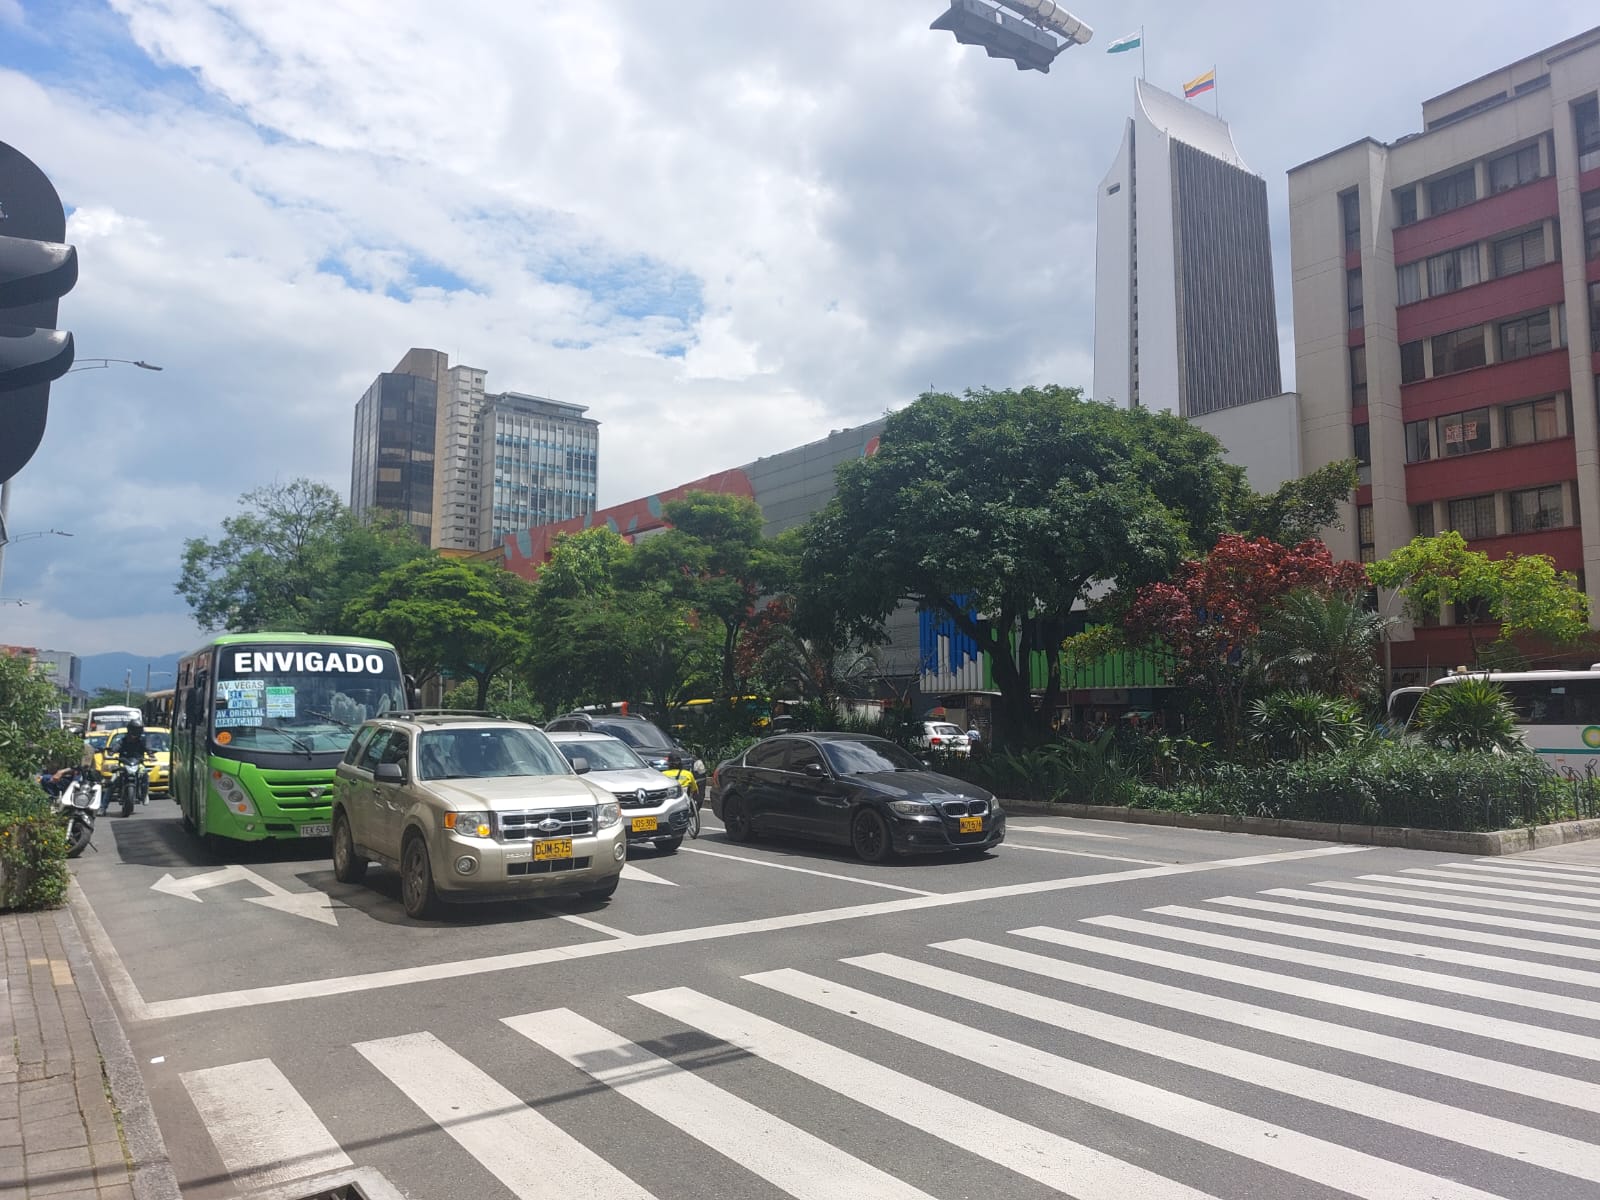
<point x="511" y="793"/>
<point x="629" y="780"/>
<point x="902" y="785"/>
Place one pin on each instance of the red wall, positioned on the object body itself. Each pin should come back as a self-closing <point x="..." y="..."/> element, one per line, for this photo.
<point x="1492" y="471"/>
<point x="1481" y="303"/>
<point x="1473" y="223"/>
<point x="1502" y="383"/>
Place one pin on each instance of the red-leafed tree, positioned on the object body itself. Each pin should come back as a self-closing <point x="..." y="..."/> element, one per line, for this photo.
<point x="1209" y="615"/>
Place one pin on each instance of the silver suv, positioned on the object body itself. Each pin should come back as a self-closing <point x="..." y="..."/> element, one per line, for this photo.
<point x="472" y="808"/>
<point x="655" y="807"/>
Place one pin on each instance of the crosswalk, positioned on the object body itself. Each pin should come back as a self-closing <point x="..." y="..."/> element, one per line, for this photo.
<point x="1429" y="1033"/>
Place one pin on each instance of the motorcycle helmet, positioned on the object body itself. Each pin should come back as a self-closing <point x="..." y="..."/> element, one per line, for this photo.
<point x="134" y="727"/>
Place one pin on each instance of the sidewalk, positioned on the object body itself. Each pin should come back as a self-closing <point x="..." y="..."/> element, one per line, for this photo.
<point x="63" y="1056"/>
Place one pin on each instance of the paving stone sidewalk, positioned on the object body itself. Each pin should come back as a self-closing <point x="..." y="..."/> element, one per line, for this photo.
<point x="62" y="1134"/>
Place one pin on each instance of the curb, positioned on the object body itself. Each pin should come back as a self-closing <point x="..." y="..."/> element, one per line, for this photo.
<point x="153" y="1177"/>
<point x="1500" y="841"/>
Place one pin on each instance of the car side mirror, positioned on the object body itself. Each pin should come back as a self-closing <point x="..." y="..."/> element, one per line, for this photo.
<point x="390" y="773"/>
<point x="580" y="764"/>
<point x="814" y="770"/>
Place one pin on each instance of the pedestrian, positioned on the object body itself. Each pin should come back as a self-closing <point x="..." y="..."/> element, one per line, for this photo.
<point x="974" y="740"/>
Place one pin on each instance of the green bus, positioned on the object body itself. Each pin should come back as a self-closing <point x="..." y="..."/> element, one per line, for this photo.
<point x="260" y="720"/>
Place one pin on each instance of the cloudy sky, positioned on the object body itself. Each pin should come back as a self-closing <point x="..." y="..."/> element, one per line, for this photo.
<point x="726" y="226"/>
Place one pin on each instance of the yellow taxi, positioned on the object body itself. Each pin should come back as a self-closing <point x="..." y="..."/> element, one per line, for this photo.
<point x="158" y="756"/>
<point x="94" y="748"/>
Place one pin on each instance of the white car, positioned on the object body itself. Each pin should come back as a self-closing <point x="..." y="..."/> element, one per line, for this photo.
<point x="655" y="807"/>
<point x="942" y="737"/>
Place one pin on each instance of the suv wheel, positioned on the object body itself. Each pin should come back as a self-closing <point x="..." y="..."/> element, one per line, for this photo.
<point x="735" y="820"/>
<point x="416" y="880"/>
<point x="348" y="866"/>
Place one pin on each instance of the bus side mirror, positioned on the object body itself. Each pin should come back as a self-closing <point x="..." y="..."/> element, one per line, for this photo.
<point x="411" y="691"/>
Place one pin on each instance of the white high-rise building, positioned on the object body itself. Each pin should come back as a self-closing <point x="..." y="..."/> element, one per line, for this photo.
<point x="1185" y="318"/>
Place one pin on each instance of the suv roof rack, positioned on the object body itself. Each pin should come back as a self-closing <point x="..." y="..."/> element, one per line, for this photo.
<point x="437" y="714"/>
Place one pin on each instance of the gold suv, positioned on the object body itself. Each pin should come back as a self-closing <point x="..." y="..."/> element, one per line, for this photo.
<point x="472" y="808"/>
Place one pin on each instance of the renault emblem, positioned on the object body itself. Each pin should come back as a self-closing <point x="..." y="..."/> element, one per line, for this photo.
<point x="641" y="795"/>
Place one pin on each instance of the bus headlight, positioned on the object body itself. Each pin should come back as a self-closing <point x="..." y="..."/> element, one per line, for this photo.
<point x="233" y="794"/>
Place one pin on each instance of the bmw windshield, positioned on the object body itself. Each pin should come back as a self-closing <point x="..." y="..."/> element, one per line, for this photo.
<point x="868" y="757"/>
<point x="298" y="698"/>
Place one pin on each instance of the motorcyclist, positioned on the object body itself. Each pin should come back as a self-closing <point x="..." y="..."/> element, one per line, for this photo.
<point x="131" y="748"/>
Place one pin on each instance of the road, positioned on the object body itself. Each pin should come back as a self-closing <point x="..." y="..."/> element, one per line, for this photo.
<point x="1097" y="1010"/>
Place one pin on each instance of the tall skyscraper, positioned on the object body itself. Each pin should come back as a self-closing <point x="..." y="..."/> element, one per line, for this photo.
<point x="465" y="468"/>
<point x="1185" y="318"/>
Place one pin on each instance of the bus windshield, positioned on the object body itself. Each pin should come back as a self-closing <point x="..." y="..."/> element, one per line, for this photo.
<point x="298" y="698"/>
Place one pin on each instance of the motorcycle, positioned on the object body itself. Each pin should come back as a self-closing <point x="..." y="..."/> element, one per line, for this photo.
<point x="130" y="784"/>
<point x="77" y="801"/>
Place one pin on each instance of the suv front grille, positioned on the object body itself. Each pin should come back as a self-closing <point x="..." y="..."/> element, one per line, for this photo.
<point x="652" y="797"/>
<point x="549" y="866"/>
<point x="522" y="826"/>
<point x="292" y="791"/>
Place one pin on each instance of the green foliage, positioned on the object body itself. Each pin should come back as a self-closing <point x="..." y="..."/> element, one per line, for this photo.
<point x="1300" y="508"/>
<point x="1322" y="642"/>
<point x="1470" y="714"/>
<point x="30" y="737"/>
<point x="1014" y="501"/>
<point x="1303" y="724"/>
<point x="1077" y="772"/>
<point x="33" y="847"/>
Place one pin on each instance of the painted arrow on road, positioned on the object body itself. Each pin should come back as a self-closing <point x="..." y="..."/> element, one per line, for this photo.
<point x="314" y="905"/>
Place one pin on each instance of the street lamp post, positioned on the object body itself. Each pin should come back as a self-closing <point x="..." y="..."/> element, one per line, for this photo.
<point x="147" y="674"/>
<point x="95" y="364"/>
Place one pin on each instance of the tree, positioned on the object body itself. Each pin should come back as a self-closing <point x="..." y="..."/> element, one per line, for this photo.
<point x="1525" y="593"/>
<point x="1323" y="642"/>
<point x="445" y="616"/>
<point x="1299" y="508"/>
<point x="1001" y="509"/>
<point x="782" y="659"/>
<point x="1210" y="614"/>
<point x="31" y="739"/>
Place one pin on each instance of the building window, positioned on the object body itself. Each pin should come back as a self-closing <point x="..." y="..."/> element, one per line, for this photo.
<point x="1405" y="205"/>
<point x="1464" y="432"/>
<point x="1594" y="317"/>
<point x="1350" y="216"/>
<point x="1535" y="421"/>
<point x="1452" y="192"/>
<point x="1363" y="445"/>
<point x="1411" y="364"/>
<point x="1358" y="376"/>
<point x="1473" y="517"/>
<point x="1419" y="441"/>
<point x="1519" y="252"/>
<point x="1460" y="350"/>
<point x="1535" y="509"/>
<point x="1452" y="270"/>
<point x="1408" y="283"/>
<point x="1364" y="533"/>
<point x="1591" y="225"/>
<point x="1514" y="169"/>
<point x="1525" y="336"/>
<point x="1586" y="121"/>
<point x="1352" y="297"/>
<point x="1422" y="518"/>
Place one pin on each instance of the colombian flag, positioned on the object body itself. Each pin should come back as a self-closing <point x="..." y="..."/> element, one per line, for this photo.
<point x="1199" y="84"/>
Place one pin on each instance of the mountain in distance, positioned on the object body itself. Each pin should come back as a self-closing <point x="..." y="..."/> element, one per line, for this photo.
<point x="111" y="670"/>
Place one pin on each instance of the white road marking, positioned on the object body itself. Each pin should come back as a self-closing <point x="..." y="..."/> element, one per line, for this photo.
<point x="264" y="1131"/>
<point x="1005" y="1141"/>
<point x="116" y="972"/>
<point x="314" y="905"/>
<point x="1515" y="873"/>
<point x="1485" y="874"/>
<point x="1400" y="1109"/>
<point x="1506" y="1077"/>
<point x="1496" y="892"/>
<point x="1332" y="1165"/>
<point x="586" y="923"/>
<point x="1538" y="910"/>
<point x="1437" y="981"/>
<point x="1444" y="954"/>
<point x="1057" y="829"/>
<point x="640" y="875"/>
<point x="784" y="1155"/>
<point x="1578" y="869"/>
<point x="1010" y="845"/>
<point x="462" y="968"/>
<point x="516" y="1144"/>
<point x="1480" y="937"/>
<point x="778" y="866"/>
<point x="1519" y="1033"/>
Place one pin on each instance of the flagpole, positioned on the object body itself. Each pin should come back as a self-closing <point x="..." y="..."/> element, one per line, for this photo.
<point x="1216" y="94"/>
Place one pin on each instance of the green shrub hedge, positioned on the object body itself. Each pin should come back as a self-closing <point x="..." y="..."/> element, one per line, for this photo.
<point x="33" y="847"/>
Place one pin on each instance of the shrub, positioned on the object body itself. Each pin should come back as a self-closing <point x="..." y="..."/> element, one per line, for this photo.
<point x="1303" y="724"/>
<point x="1469" y="714"/>
<point x="1092" y="772"/>
<point x="33" y="847"/>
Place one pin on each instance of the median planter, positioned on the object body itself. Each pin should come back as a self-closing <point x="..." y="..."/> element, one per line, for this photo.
<point x="33" y="849"/>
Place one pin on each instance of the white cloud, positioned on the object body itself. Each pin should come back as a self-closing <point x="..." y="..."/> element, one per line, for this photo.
<point x="726" y="231"/>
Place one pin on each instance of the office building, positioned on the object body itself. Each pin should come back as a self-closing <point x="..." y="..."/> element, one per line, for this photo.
<point x="1185" y="318"/>
<point x="465" y="466"/>
<point x="1447" y="307"/>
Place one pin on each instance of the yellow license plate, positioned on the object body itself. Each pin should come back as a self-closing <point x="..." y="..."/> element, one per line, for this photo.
<point x="971" y="824"/>
<point x="644" y="824"/>
<point x="554" y="848"/>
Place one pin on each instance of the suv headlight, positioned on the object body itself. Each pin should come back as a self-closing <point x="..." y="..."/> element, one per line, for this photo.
<point x="608" y="815"/>
<point x="470" y="824"/>
<point x="913" y="808"/>
<point x="677" y="790"/>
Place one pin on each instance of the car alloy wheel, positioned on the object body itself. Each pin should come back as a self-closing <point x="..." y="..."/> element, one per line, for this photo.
<point x="869" y="836"/>
<point x="735" y="820"/>
<point x="348" y="866"/>
<point x="416" y="880"/>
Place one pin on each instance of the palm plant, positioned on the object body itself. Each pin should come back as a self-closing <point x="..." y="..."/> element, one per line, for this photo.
<point x="1303" y="724"/>
<point x="1323" y="643"/>
<point x="1470" y="714"/>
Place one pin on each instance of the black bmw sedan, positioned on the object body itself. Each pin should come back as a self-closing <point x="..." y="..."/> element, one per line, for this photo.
<point x="854" y="790"/>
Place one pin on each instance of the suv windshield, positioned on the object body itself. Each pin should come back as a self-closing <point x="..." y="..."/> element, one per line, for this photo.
<point x="639" y="734"/>
<point x="604" y="754"/>
<point x="486" y="753"/>
<point x="867" y="757"/>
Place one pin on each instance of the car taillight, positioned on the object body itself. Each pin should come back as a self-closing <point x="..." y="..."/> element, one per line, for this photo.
<point x="933" y="741"/>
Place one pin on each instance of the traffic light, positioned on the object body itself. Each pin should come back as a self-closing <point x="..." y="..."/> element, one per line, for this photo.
<point x="37" y="268"/>
<point x="1028" y="43"/>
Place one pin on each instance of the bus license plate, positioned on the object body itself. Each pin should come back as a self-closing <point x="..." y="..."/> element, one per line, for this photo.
<point x="322" y="830"/>
<point x="971" y="824"/>
<point x="554" y="848"/>
<point x="644" y="824"/>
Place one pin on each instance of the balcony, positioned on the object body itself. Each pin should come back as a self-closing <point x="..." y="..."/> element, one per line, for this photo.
<point x="1507" y="469"/>
<point x="1501" y="383"/>
<point x="1476" y="222"/>
<point x="1482" y="303"/>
